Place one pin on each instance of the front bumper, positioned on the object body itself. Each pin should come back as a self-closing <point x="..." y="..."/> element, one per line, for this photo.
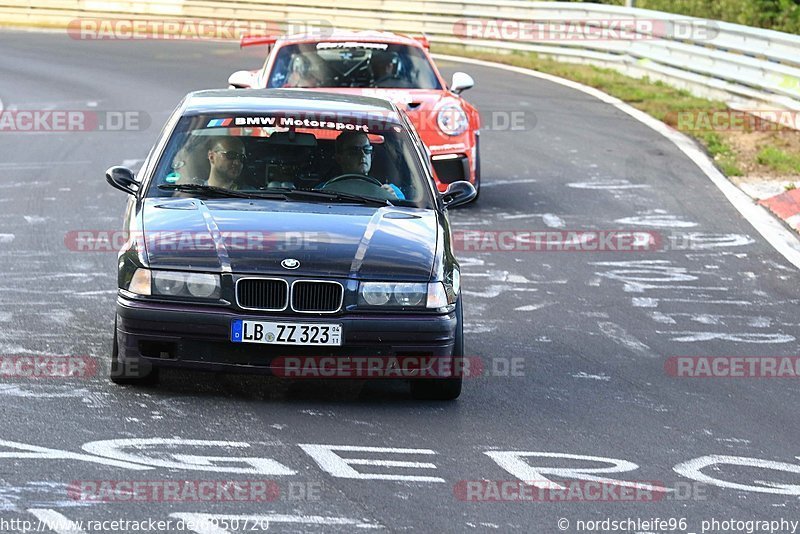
<point x="180" y="335"/>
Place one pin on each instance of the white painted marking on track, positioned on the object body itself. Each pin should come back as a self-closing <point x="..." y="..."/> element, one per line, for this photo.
<point x="553" y="221"/>
<point x="662" y="318"/>
<point x="783" y="240"/>
<point x="38" y="391"/>
<point x="32" y="452"/>
<point x="657" y="221"/>
<point x="702" y="301"/>
<point x="701" y="241"/>
<point x="618" y="335"/>
<point x="514" y="462"/>
<point x="495" y="291"/>
<point x="116" y="448"/>
<point x="534" y="307"/>
<point x="607" y="184"/>
<point x="520" y="216"/>
<point x="55" y="521"/>
<point x="339" y="467"/>
<point x="746" y="337"/>
<point x="6" y="238"/>
<point x="693" y="470"/>
<point x="495" y="183"/>
<point x="601" y="377"/>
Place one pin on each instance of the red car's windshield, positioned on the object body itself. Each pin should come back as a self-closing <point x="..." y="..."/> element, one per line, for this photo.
<point x="352" y="64"/>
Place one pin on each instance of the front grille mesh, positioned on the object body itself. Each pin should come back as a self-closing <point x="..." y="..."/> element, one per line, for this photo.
<point x="321" y="297"/>
<point x="263" y="294"/>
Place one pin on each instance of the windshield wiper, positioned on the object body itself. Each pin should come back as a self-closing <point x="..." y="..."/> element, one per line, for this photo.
<point x="331" y="195"/>
<point x="211" y="190"/>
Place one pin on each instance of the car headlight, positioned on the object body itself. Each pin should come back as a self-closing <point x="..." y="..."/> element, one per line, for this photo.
<point x="376" y="294"/>
<point x="452" y="120"/>
<point x="411" y="295"/>
<point x="175" y="284"/>
<point x="167" y="283"/>
<point x="204" y="286"/>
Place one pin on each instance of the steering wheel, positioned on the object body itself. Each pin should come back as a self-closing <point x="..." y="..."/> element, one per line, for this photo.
<point x="353" y="176"/>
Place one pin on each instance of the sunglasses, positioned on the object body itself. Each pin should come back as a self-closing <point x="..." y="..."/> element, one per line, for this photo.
<point x="353" y="150"/>
<point x="232" y="155"/>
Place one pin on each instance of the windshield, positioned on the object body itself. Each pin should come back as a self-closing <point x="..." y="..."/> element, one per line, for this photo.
<point x="352" y="64"/>
<point x="338" y="158"/>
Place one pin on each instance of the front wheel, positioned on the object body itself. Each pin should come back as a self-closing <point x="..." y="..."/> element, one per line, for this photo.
<point x="445" y="389"/>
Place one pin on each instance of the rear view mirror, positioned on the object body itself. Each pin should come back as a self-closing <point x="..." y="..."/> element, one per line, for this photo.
<point x="459" y="193"/>
<point x="242" y="79"/>
<point x="292" y="138"/>
<point x="461" y="82"/>
<point x="122" y="178"/>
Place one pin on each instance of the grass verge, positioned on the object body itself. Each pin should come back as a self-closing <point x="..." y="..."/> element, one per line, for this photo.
<point x="753" y="149"/>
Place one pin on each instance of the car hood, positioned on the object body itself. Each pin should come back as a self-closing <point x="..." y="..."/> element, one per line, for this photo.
<point x="411" y="100"/>
<point x="255" y="236"/>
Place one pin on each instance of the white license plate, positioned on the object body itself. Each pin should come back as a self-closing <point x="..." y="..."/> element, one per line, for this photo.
<point x="246" y="331"/>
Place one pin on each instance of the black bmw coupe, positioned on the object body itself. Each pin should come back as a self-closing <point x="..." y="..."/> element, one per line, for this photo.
<point x="289" y="232"/>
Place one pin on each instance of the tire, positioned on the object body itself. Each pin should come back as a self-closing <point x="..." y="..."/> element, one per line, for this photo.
<point x="444" y="389"/>
<point x="133" y="373"/>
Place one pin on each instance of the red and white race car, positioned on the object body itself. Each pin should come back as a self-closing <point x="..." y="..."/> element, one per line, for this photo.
<point x="383" y="65"/>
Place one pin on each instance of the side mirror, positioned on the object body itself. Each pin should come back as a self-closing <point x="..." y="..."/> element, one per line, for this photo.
<point x="461" y="82"/>
<point x="458" y="193"/>
<point x="241" y="79"/>
<point x="122" y="178"/>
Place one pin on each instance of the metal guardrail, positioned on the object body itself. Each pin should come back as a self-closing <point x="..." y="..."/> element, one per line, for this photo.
<point x="749" y="68"/>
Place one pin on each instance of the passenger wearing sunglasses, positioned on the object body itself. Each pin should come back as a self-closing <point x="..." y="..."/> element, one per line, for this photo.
<point x="226" y="156"/>
<point x="354" y="156"/>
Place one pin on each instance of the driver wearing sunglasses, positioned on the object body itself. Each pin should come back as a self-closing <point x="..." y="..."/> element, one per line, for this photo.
<point x="354" y="156"/>
<point x="226" y="156"/>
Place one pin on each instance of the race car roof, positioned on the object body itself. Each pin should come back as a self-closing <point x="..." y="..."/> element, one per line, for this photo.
<point x="282" y="100"/>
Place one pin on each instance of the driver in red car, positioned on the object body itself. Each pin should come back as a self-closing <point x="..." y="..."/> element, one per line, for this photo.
<point x="354" y="156"/>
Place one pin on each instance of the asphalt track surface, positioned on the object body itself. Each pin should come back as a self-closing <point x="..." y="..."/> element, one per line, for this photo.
<point x="593" y="330"/>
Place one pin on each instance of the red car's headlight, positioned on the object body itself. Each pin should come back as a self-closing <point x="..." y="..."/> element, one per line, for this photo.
<point x="452" y="120"/>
